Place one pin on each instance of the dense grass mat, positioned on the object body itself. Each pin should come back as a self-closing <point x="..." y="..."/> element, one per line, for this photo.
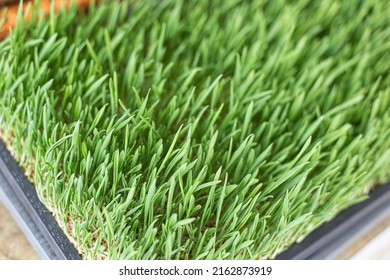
<point x="199" y="129"/>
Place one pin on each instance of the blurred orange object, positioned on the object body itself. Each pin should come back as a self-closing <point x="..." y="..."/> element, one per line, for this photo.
<point x="12" y="10"/>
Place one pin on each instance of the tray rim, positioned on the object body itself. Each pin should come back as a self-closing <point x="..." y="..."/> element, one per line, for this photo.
<point x="35" y="220"/>
<point x="329" y="239"/>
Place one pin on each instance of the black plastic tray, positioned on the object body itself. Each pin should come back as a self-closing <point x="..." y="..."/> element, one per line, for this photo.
<point x="334" y="237"/>
<point x="21" y="199"/>
<point x="35" y="220"/>
<point x="349" y="226"/>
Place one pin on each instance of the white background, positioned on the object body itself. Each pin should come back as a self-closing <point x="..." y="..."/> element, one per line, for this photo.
<point x="109" y="270"/>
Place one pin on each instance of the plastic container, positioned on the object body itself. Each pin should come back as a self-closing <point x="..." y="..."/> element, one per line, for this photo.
<point x="20" y="198"/>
